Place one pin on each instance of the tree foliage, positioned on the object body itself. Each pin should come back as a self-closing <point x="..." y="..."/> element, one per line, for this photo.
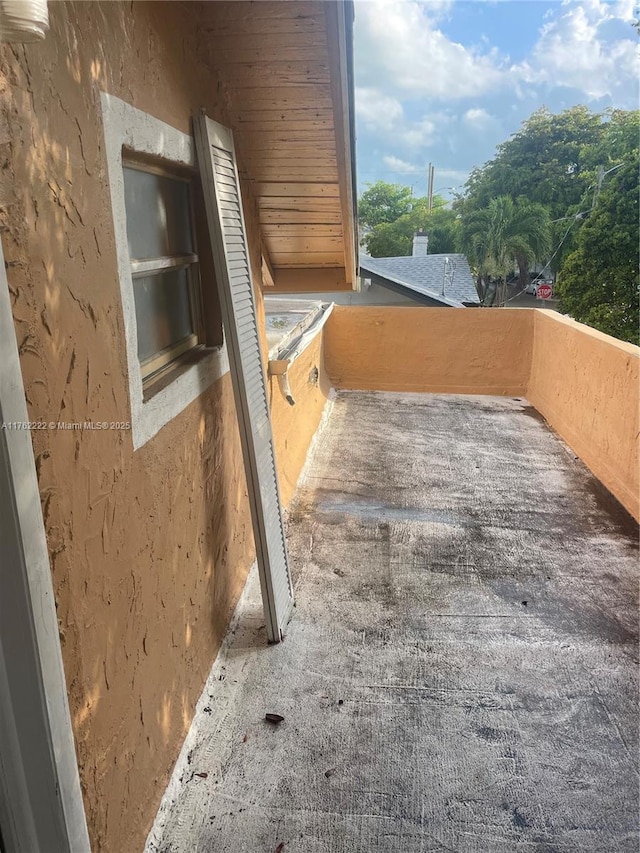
<point x="549" y="161"/>
<point x="598" y="282"/>
<point x="563" y="190"/>
<point x="552" y="160"/>
<point x="383" y="202"/>
<point x="395" y="239"/>
<point x="582" y="168"/>
<point x="504" y="230"/>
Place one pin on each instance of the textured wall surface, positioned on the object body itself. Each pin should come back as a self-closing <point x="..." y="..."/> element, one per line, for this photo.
<point x="446" y="350"/>
<point x="586" y="385"/>
<point x="294" y="426"/>
<point x="149" y="551"/>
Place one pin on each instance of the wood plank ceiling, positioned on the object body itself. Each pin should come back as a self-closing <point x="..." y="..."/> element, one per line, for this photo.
<point x="282" y="68"/>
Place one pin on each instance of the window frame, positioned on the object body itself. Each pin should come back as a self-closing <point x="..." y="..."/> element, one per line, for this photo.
<point x="164" y="358"/>
<point x="135" y="137"/>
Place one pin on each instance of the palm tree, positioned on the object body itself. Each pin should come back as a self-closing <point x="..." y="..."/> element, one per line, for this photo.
<point x="504" y="231"/>
<point x="475" y="244"/>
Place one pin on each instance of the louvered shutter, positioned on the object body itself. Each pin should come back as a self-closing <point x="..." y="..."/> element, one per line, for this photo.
<point x="217" y="163"/>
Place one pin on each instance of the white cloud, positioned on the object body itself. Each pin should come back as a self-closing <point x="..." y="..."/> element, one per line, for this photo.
<point x="423" y="97"/>
<point x="398" y="165"/>
<point x="477" y="118"/>
<point x="418" y="134"/>
<point x="455" y="177"/>
<point x="398" y="41"/>
<point x="384" y="116"/>
<point x="437" y="8"/>
<point x="376" y="110"/>
<point x="576" y="49"/>
<point x="401" y="51"/>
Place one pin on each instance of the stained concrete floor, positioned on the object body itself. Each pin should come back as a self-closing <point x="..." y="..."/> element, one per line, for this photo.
<point x="460" y="673"/>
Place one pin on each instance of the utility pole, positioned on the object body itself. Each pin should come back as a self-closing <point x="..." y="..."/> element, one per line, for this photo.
<point x="430" y="177"/>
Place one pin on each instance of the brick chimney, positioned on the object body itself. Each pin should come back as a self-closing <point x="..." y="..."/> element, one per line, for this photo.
<point x="420" y="244"/>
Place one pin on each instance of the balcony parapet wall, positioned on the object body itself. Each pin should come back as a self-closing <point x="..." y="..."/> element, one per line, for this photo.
<point x="294" y="426"/>
<point x="444" y="350"/>
<point x="584" y="383"/>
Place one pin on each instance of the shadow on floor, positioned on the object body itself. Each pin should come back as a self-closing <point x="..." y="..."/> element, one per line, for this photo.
<point x="460" y="672"/>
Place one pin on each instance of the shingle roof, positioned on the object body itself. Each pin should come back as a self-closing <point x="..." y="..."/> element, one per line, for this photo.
<point x="425" y="274"/>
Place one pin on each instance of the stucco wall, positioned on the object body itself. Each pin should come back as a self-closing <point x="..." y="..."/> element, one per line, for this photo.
<point x="586" y="385"/>
<point x="149" y="550"/>
<point x="294" y="426"/>
<point x="445" y="350"/>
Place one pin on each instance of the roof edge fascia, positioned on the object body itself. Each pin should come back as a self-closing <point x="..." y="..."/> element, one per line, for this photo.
<point x="430" y="294"/>
<point x="339" y="18"/>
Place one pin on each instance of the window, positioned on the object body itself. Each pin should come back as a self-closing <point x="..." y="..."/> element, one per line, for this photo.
<point x="170" y="309"/>
<point x="164" y="266"/>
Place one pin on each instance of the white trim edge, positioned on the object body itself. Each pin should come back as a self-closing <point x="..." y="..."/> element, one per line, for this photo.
<point x="126" y="126"/>
<point x="295" y="349"/>
<point x="26" y="564"/>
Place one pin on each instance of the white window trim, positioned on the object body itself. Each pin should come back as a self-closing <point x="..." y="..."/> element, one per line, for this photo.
<point x="30" y="618"/>
<point x="125" y="126"/>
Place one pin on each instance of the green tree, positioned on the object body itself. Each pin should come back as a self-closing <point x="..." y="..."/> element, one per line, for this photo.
<point x="388" y="240"/>
<point x="395" y="239"/>
<point x="598" y="281"/>
<point x="504" y="231"/>
<point x="475" y="244"/>
<point x="547" y="161"/>
<point x="383" y="202"/>
<point x="582" y="167"/>
<point x="551" y="160"/>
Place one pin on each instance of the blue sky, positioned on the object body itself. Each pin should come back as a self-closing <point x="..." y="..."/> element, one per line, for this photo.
<point x="445" y="81"/>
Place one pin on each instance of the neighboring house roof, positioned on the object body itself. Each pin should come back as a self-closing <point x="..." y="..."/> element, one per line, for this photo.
<point x="424" y="276"/>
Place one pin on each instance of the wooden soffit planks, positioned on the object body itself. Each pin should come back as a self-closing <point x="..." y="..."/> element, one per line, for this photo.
<point x="281" y="65"/>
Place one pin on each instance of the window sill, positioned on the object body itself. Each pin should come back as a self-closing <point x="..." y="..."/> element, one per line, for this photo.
<point x="163" y="378"/>
<point x="174" y="389"/>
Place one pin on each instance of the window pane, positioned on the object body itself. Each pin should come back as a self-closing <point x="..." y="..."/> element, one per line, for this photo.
<point x="163" y="315"/>
<point x="158" y="215"/>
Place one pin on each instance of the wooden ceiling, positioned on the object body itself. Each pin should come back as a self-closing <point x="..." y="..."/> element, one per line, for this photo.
<point x="284" y="68"/>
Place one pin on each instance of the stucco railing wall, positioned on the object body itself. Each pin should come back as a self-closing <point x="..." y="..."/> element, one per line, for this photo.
<point x="294" y="426"/>
<point x="585" y="384"/>
<point x="443" y="350"/>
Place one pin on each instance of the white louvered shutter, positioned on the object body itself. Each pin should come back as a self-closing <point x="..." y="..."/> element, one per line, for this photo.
<point x="217" y="164"/>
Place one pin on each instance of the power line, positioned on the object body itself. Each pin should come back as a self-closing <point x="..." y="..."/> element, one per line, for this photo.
<point x="599" y="180"/>
<point x="558" y="247"/>
<point x="574" y="217"/>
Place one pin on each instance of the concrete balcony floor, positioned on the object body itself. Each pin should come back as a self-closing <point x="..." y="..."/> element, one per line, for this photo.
<point x="460" y="673"/>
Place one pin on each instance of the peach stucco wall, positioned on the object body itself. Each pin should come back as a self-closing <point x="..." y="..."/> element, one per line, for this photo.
<point x="149" y="550"/>
<point x="445" y="350"/>
<point x="294" y="426"/>
<point x="586" y="385"/>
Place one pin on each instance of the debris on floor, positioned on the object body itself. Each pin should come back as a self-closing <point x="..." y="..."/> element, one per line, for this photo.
<point x="482" y="628"/>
